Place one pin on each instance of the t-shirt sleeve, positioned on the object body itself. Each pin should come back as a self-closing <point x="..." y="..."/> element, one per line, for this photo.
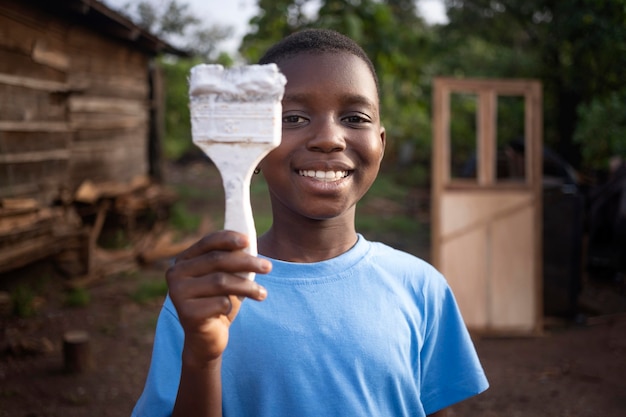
<point x="450" y="368"/>
<point x="161" y="388"/>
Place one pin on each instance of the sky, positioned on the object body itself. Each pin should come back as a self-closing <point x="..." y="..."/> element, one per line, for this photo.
<point x="237" y="13"/>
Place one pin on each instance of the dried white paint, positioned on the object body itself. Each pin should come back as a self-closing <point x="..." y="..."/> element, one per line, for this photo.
<point x="236" y="121"/>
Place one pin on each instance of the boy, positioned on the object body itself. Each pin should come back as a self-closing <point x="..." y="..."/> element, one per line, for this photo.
<point x="347" y="327"/>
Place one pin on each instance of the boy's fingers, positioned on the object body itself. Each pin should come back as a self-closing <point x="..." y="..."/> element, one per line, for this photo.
<point x="224" y="240"/>
<point x="199" y="310"/>
<point x="217" y="261"/>
<point x="216" y="285"/>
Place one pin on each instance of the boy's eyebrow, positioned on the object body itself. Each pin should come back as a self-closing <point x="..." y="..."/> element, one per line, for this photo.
<point x="347" y="99"/>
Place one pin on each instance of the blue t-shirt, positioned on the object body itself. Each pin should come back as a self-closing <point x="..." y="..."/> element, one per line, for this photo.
<point x="372" y="332"/>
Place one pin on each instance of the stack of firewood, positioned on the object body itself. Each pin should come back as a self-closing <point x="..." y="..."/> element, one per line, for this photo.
<point x="29" y="232"/>
<point x="69" y="233"/>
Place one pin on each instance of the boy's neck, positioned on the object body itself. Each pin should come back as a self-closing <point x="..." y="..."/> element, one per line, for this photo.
<point x="319" y="241"/>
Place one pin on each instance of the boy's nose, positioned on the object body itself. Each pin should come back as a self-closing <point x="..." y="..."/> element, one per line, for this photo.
<point x="327" y="137"/>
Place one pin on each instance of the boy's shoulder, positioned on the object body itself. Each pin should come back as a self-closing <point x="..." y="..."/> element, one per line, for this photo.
<point x="387" y="252"/>
<point x="398" y="260"/>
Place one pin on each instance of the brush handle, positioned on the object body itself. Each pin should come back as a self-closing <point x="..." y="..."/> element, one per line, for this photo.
<point x="238" y="212"/>
<point x="236" y="165"/>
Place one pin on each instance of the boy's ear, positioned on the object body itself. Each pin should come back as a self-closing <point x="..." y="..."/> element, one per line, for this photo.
<point x="383" y="140"/>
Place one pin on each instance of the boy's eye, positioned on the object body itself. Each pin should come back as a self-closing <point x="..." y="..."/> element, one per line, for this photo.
<point x="293" y="119"/>
<point x="356" y="119"/>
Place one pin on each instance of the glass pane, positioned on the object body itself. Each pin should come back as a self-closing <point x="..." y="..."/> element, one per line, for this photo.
<point x="511" y="163"/>
<point x="463" y="132"/>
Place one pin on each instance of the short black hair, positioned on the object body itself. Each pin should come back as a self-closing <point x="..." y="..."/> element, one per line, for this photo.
<point x="316" y="41"/>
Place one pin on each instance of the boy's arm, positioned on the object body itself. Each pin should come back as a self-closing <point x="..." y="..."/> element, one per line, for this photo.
<point x="207" y="292"/>
<point x="440" y="413"/>
<point x="200" y="390"/>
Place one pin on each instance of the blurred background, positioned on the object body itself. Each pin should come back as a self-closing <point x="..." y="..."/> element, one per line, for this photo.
<point x="100" y="184"/>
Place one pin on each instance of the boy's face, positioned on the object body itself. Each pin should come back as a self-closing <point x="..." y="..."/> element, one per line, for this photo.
<point x="332" y="140"/>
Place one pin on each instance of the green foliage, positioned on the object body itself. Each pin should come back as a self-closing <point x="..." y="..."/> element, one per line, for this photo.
<point x="376" y="225"/>
<point x="182" y="219"/>
<point x="114" y="238"/>
<point x="149" y="290"/>
<point x="576" y="48"/>
<point x="386" y="187"/>
<point x="602" y="129"/>
<point x="23" y="301"/>
<point x="277" y="19"/>
<point x="396" y="39"/>
<point x="172" y="20"/>
<point x="261" y="208"/>
<point x="391" y="193"/>
<point x="77" y="297"/>
<point x="177" y="139"/>
<point x="415" y="175"/>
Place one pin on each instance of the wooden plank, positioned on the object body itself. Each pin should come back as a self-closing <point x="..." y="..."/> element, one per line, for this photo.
<point x="39" y="156"/>
<point x="111" y="143"/>
<point x="109" y="85"/>
<point x="487" y="133"/>
<point x="471" y="209"/>
<point x="469" y="276"/>
<point x="10" y="206"/>
<point x="13" y="190"/>
<point x="535" y="108"/>
<point x="19" y="223"/>
<point x="102" y="54"/>
<point x="44" y="53"/>
<point x="28" y="251"/>
<point x="518" y="86"/>
<point x="13" y="62"/>
<point x="100" y="122"/>
<point x="13" y="225"/>
<point x="34" y="83"/>
<point x="35" y="126"/>
<point x="19" y="104"/>
<point x="157" y="123"/>
<point x="108" y="160"/>
<point x="120" y="136"/>
<point x="514" y="301"/>
<point x="16" y="142"/>
<point x="90" y="192"/>
<point x="439" y="170"/>
<point x="14" y="33"/>
<point x="41" y="180"/>
<point x="91" y="104"/>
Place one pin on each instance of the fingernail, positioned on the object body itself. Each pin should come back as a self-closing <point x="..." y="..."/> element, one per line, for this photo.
<point x="262" y="293"/>
<point x="266" y="266"/>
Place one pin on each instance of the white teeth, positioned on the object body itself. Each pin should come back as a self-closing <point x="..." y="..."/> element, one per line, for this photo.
<point x="324" y="175"/>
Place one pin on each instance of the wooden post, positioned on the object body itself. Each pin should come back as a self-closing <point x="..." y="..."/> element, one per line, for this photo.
<point x="76" y="351"/>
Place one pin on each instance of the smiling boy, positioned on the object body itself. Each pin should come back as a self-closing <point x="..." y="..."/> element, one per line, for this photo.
<point x="347" y="327"/>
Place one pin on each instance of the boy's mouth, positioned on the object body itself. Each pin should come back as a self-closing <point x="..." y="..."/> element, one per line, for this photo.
<point x="327" y="176"/>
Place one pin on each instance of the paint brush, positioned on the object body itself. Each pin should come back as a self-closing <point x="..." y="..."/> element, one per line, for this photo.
<point x="236" y="119"/>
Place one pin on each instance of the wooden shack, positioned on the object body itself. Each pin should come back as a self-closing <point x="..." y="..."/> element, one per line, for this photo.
<point x="80" y="102"/>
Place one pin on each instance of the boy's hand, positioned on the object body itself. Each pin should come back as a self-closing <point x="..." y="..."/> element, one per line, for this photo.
<point x="207" y="293"/>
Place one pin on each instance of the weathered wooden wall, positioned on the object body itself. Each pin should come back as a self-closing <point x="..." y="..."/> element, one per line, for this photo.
<point x="74" y="105"/>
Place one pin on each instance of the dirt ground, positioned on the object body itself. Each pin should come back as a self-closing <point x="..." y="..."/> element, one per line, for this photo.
<point x="575" y="369"/>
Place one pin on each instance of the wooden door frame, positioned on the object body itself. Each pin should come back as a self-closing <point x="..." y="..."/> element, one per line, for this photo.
<point x="487" y="91"/>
